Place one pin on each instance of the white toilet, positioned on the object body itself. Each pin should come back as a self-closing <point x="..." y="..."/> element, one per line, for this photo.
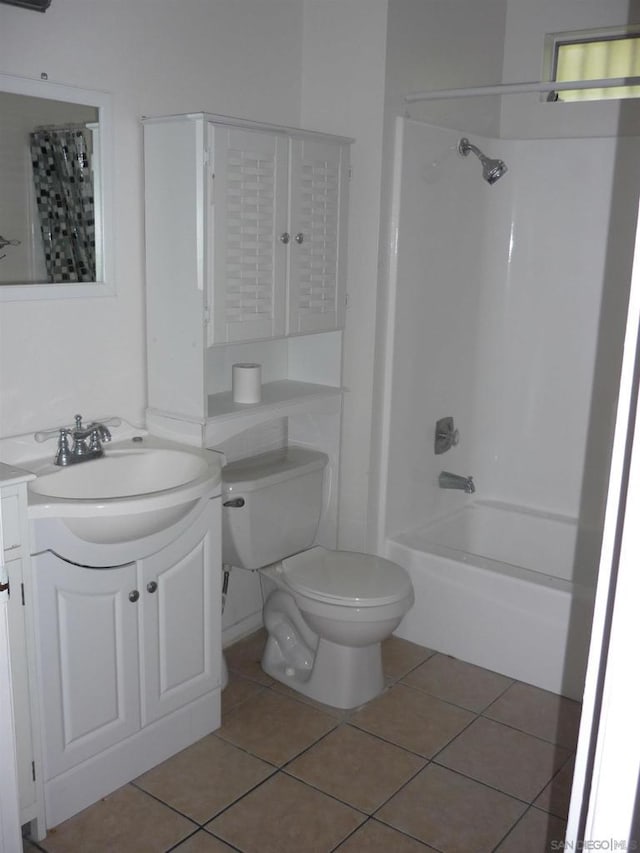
<point x="327" y="611"/>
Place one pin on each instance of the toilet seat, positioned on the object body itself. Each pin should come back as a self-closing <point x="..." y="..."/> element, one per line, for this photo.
<point x="345" y="578"/>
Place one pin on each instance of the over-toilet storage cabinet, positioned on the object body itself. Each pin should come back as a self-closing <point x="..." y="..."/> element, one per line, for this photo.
<point x="245" y="239"/>
<point x="15" y="543"/>
<point x="129" y="662"/>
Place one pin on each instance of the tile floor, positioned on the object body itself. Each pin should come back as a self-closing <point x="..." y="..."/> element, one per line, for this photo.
<point x="450" y="758"/>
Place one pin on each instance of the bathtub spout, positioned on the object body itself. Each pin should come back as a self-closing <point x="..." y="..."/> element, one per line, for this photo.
<point x="447" y="480"/>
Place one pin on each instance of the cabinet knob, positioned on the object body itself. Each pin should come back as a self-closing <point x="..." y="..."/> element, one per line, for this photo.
<point x="285" y="237"/>
<point x="134" y="595"/>
<point x="299" y="238"/>
<point x="152" y="586"/>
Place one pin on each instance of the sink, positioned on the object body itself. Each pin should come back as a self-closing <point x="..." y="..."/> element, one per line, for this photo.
<point x="135" y="490"/>
<point x="122" y="474"/>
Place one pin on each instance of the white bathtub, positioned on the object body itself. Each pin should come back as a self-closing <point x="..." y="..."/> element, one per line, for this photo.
<point x="496" y="586"/>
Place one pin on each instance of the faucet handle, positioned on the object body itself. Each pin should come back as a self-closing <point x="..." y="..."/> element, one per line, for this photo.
<point x="95" y="439"/>
<point x="63" y="453"/>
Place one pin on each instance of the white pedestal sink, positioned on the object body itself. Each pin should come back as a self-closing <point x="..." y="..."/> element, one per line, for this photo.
<point x="137" y="489"/>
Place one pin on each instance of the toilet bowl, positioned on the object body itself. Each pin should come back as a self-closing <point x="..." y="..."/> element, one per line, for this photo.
<point x="326" y="612"/>
<point x="325" y="620"/>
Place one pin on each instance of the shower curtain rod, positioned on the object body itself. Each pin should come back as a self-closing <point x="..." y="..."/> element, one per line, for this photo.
<point x="516" y="88"/>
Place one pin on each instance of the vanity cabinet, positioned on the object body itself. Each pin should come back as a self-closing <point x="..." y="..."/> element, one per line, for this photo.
<point x="129" y="662"/>
<point x="15" y="558"/>
<point x="245" y="240"/>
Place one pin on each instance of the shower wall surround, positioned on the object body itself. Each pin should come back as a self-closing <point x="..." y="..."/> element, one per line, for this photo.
<point x="497" y="307"/>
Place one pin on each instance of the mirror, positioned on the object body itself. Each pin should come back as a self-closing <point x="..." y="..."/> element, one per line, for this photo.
<point x="55" y="184"/>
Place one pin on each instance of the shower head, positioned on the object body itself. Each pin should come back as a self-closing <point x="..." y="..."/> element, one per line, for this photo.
<point x="492" y="170"/>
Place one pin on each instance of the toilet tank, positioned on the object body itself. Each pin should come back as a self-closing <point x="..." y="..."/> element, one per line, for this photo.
<point x="271" y="505"/>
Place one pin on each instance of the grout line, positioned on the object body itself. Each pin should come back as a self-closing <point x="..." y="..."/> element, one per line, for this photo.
<point x="401" y="788"/>
<point x="222" y="840"/>
<point x="388" y="742"/>
<point x="570" y="749"/>
<point x="485" y="784"/>
<point x="336" y="849"/>
<point x="182" y="841"/>
<point x="408" y="835"/>
<point x="165" y="804"/>
<point x="520" y="819"/>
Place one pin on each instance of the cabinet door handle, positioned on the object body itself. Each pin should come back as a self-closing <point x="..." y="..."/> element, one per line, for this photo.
<point x="285" y="237"/>
<point x="152" y="586"/>
<point x="299" y="238"/>
<point x="134" y="595"/>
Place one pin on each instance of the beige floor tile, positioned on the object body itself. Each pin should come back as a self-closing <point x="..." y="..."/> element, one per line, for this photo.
<point x="400" y="656"/>
<point x="356" y="767"/>
<point x="286" y="816"/>
<point x="337" y="713"/>
<point x="375" y="837"/>
<point x="458" y="682"/>
<point x="274" y="727"/>
<point x="237" y="691"/>
<point x="535" y="833"/>
<point x="412" y="719"/>
<point x="512" y="761"/>
<point x="451" y="813"/>
<point x="202" y="842"/>
<point x="244" y="657"/>
<point x="127" y="821"/>
<point x="555" y="797"/>
<point x="203" y="779"/>
<point x="28" y="847"/>
<point x="538" y="712"/>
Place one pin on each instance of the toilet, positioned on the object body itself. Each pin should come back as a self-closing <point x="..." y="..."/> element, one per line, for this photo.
<point x="327" y="611"/>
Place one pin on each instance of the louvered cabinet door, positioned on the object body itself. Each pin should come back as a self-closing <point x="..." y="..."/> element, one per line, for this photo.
<point x="318" y="223"/>
<point x="248" y="219"/>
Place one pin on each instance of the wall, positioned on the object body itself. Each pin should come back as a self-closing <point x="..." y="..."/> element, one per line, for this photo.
<point x="442" y="45"/>
<point x="235" y="57"/>
<point x="423" y="38"/>
<point x="342" y="92"/>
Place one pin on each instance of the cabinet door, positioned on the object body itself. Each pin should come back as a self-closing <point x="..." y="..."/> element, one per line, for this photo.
<point x="88" y="659"/>
<point x="247" y="221"/>
<point x="319" y="172"/>
<point x="181" y="631"/>
<point x="20" y="680"/>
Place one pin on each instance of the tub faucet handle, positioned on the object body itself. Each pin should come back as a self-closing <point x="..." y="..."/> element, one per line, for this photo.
<point x="447" y="436"/>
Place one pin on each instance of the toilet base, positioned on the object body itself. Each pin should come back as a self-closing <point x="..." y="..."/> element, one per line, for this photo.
<point x="342" y="676"/>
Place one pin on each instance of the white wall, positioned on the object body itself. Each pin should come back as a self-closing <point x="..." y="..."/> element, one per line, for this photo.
<point x="343" y="92"/>
<point x="440" y="45"/>
<point x="430" y="45"/>
<point x="235" y="57"/>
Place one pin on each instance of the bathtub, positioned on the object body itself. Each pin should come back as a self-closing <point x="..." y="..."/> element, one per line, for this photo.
<point x="496" y="585"/>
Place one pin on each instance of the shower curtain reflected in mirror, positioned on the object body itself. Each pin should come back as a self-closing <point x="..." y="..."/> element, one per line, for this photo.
<point x="64" y="196"/>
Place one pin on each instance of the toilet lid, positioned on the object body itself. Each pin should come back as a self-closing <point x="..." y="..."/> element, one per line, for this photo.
<point x="361" y="580"/>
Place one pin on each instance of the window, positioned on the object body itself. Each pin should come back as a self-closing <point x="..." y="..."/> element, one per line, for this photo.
<point x="594" y="56"/>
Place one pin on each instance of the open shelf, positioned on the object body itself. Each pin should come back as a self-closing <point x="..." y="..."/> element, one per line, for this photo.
<point x="280" y="399"/>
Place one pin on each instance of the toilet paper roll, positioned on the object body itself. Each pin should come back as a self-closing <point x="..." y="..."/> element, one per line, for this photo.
<point x="246" y="383"/>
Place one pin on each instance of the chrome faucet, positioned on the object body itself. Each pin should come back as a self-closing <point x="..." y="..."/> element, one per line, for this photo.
<point x="87" y="442"/>
<point x="447" y="480"/>
<point x="78" y="444"/>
